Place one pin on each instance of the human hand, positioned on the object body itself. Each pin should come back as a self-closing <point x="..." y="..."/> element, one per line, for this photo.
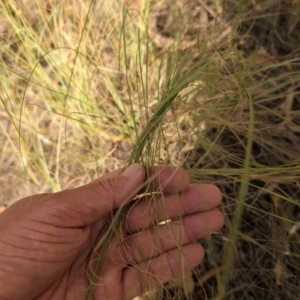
<point x="49" y="243"/>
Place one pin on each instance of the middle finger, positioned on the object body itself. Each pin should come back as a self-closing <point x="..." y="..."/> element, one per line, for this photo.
<point x="193" y="200"/>
<point x="153" y="241"/>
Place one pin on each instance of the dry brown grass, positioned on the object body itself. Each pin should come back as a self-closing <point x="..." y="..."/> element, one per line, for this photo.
<point x="59" y="87"/>
<point x="75" y="94"/>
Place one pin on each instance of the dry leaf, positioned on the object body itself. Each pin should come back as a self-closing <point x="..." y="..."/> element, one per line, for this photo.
<point x="288" y="103"/>
<point x="276" y="201"/>
<point x="294" y="229"/>
<point x="278" y="270"/>
<point x="262" y="58"/>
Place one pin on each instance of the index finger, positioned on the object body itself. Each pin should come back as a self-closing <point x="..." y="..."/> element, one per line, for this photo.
<point x="169" y="179"/>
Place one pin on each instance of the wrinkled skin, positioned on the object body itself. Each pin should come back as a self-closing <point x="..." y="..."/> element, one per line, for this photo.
<point x="49" y="242"/>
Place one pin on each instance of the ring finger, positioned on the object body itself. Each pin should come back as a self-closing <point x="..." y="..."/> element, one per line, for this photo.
<point x="151" y="242"/>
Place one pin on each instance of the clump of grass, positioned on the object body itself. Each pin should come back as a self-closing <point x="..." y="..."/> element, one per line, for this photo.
<point x="59" y="73"/>
<point x="257" y="237"/>
<point x="89" y="87"/>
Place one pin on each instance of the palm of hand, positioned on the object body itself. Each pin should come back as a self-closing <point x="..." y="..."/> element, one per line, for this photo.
<point x="49" y="242"/>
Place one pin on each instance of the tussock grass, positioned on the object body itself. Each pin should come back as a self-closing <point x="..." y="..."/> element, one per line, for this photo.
<point x="59" y="90"/>
<point x="89" y="87"/>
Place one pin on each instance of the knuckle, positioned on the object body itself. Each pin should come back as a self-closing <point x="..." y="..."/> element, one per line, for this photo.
<point x="110" y="188"/>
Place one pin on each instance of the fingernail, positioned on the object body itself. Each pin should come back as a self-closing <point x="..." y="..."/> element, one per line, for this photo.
<point x="132" y="170"/>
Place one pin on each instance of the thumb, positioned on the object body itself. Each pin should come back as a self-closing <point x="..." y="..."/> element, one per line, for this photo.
<point x="89" y="203"/>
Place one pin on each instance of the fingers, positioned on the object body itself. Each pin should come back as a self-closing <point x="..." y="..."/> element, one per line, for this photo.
<point x="149" y="274"/>
<point x="166" y="178"/>
<point x="192" y="200"/>
<point x="89" y="203"/>
<point x="110" y="175"/>
<point x="151" y="242"/>
<point x="169" y="179"/>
